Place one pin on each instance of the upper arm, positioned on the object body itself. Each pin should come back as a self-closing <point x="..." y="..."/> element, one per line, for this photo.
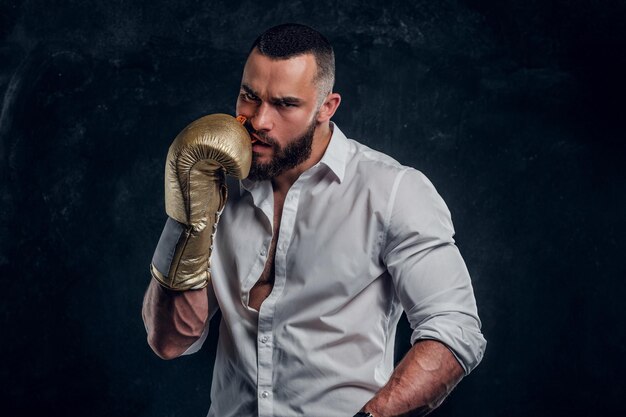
<point x="429" y="274"/>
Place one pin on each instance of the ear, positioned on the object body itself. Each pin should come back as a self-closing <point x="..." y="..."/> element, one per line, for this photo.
<point x="328" y="107"/>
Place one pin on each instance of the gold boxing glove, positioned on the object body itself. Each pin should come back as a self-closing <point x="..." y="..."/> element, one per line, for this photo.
<point x="195" y="194"/>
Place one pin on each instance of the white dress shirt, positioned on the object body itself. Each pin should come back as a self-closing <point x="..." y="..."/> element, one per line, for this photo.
<point x="361" y="239"/>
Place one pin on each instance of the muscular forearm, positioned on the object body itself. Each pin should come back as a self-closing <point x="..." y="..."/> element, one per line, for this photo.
<point x="173" y="319"/>
<point x="420" y="382"/>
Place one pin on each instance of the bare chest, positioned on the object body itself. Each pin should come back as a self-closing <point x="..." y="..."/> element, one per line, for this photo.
<point x="264" y="285"/>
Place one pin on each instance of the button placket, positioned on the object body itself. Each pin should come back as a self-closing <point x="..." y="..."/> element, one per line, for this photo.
<point x="266" y="313"/>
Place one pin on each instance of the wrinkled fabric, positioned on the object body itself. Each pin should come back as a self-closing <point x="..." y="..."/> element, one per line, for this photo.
<point x="362" y="239"/>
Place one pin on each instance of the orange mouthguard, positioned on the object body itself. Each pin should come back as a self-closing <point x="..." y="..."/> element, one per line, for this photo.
<point x="242" y="119"/>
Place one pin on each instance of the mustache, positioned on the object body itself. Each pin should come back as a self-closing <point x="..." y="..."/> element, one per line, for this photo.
<point x="261" y="135"/>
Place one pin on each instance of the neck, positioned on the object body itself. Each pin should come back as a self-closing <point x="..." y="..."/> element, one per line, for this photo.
<point x="321" y="139"/>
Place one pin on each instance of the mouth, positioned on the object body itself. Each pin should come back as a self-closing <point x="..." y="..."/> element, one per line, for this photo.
<point x="253" y="137"/>
<point x="256" y="140"/>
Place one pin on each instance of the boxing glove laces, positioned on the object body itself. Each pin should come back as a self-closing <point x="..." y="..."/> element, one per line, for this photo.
<point x="197" y="163"/>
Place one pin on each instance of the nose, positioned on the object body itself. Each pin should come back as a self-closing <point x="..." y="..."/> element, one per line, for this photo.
<point x="261" y="120"/>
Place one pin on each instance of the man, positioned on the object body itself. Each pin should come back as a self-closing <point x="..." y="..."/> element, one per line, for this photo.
<point x="317" y="254"/>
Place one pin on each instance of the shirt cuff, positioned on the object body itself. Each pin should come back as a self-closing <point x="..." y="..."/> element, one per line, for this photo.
<point x="459" y="334"/>
<point x="164" y="252"/>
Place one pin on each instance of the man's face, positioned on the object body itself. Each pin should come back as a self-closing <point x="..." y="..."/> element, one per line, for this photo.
<point x="279" y="99"/>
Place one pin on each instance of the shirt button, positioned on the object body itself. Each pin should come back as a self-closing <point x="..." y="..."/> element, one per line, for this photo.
<point x="264" y="339"/>
<point x="265" y="394"/>
<point x="262" y="252"/>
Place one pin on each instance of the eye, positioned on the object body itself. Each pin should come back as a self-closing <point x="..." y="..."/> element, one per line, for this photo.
<point x="248" y="97"/>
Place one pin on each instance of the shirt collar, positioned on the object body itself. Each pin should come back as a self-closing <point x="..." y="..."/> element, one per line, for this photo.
<point x="334" y="158"/>
<point x="336" y="152"/>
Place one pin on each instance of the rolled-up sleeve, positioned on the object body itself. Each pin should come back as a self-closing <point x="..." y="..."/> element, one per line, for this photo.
<point x="429" y="274"/>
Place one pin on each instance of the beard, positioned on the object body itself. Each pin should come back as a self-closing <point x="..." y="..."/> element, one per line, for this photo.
<point x="293" y="154"/>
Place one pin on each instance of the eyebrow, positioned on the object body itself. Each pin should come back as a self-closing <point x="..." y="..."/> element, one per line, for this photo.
<point x="274" y="100"/>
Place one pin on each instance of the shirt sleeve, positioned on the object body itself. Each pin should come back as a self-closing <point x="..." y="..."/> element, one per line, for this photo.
<point x="429" y="274"/>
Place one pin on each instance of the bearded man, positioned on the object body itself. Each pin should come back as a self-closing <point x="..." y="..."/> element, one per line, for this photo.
<point x="317" y="254"/>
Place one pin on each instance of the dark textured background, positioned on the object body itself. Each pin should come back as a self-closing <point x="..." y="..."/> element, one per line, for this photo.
<point x="513" y="108"/>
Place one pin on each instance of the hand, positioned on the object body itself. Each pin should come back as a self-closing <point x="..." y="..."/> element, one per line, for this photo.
<point x="195" y="192"/>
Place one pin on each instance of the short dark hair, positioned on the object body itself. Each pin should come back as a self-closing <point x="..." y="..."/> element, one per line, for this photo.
<point x="292" y="39"/>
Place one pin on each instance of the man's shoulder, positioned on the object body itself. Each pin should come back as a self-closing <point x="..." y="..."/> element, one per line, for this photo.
<point x="372" y="164"/>
<point x="370" y="169"/>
